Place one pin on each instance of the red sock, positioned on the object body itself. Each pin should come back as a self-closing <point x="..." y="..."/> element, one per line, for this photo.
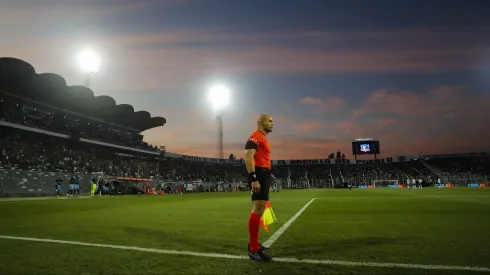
<point x="253" y="231"/>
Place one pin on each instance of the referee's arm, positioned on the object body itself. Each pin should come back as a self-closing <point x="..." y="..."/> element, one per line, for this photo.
<point x="249" y="160"/>
<point x="249" y="163"/>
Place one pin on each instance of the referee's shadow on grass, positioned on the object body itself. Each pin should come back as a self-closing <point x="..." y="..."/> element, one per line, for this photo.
<point x="335" y="246"/>
<point x="183" y="240"/>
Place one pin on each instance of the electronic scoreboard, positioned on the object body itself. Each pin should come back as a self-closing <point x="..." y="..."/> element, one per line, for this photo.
<point x="365" y="146"/>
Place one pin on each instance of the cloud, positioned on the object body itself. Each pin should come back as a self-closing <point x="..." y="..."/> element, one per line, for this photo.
<point x="312" y="148"/>
<point x="438" y="101"/>
<point x="282" y="148"/>
<point x="297" y="147"/>
<point x="347" y="127"/>
<point x="324" y="105"/>
<point x="18" y="14"/>
<point x="281" y="120"/>
<point x="386" y="121"/>
<point x="159" y="59"/>
<point x="269" y="53"/>
<point x="443" y="119"/>
<point x="455" y="120"/>
<point x="308" y="126"/>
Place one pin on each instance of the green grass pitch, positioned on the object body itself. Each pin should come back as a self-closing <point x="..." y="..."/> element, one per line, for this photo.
<point x="448" y="227"/>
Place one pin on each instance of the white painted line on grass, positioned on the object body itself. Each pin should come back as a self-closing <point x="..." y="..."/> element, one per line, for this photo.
<point x="395" y="265"/>
<point x="283" y="228"/>
<point x="123" y="247"/>
<point x="402" y="197"/>
<point x="228" y="256"/>
<point x="43" y="198"/>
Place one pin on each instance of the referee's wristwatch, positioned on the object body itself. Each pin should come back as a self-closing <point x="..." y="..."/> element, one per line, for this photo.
<point x="252" y="176"/>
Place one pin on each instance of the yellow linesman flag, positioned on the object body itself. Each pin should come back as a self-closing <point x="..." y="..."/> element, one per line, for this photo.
<point x="268" y="217"/>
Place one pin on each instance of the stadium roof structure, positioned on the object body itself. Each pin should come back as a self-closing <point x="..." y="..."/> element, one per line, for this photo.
<point x="19" y="78"/>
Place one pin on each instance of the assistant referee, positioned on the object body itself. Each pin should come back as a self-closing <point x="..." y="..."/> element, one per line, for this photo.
<point x="258" y="163"/>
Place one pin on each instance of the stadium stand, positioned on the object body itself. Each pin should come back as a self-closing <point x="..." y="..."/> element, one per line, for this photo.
<point x="45" y="101"/>
<point x="50" y="130"/>
<point x="462" y="169"/>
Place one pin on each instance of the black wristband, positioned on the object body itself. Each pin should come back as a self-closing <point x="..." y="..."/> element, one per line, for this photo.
<point x="252" y="176"/>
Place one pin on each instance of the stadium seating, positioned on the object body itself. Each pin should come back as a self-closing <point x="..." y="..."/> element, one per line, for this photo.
<point x="50" y="130"/>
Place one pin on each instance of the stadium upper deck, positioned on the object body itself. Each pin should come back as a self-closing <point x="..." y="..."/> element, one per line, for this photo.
<point x="19" y="79"/>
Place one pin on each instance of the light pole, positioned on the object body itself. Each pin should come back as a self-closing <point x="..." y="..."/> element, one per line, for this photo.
<point x="219" y="137"/>
<point x="219" y="96"/>
<point x="89" y="62"/>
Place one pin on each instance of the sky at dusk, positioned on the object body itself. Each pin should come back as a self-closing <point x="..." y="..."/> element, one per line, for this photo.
<point x="413" y="74"/>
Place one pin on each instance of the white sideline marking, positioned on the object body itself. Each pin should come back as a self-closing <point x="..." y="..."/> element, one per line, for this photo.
<point x="285" y="226"/>
<point x="123" y="247"/>
<point x="402" y="197"/>
<point x="228" y="256"/>
<point x="43" y="198"/>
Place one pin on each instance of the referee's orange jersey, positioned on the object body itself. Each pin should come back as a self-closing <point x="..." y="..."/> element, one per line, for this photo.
<point x="258" y="141"/>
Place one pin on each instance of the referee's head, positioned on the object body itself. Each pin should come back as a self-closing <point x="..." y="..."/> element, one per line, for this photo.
<point x="265" y="123"/>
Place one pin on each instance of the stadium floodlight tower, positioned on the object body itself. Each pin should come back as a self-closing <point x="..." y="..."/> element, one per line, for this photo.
<point x="219" y="96"/>
<point x="89" y="62"/>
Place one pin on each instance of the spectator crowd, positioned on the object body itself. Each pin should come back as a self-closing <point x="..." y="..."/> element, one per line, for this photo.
<point x="27" y="150"/>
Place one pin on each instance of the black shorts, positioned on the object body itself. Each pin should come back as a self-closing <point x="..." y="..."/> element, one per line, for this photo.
<point x="264" y="176"/>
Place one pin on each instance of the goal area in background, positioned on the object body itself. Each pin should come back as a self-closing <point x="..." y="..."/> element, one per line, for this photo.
<point x="385" y="183"/>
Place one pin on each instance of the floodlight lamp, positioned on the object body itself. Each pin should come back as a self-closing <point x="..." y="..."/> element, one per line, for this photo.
<point x="89" y="61"/>
<point x="219" y="97"/>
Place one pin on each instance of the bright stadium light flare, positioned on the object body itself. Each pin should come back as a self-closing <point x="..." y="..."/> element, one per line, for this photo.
<point x="89" y="61"/>
<point x="219" y="96"/>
